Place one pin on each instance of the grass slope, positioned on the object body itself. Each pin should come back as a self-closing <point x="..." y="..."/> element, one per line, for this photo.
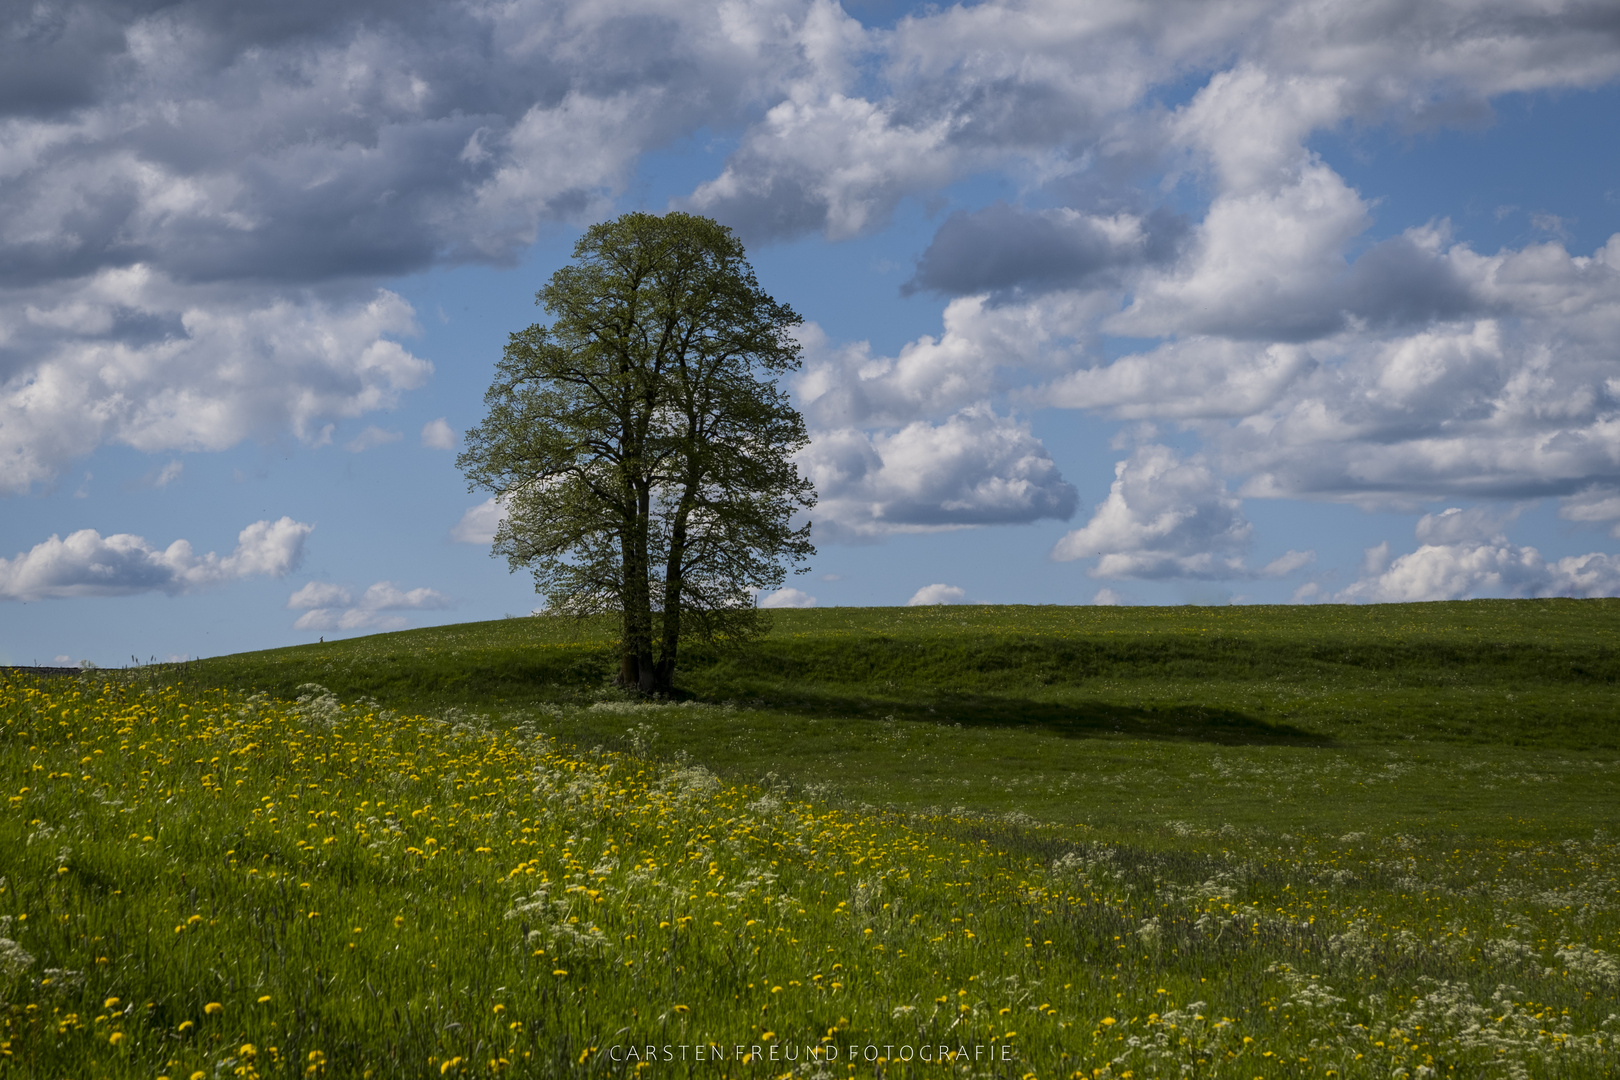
<point x="1538" y="672"/>
<point x="1498" y="713"/>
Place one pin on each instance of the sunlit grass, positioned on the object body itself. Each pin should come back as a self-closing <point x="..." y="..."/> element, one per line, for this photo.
<point x="200" y="884"/>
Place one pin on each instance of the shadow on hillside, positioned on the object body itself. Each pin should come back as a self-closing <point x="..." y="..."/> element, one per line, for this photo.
<point x="1076" y="720"/>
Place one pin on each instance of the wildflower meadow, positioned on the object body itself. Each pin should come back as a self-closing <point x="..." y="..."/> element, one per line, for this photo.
<point x="202" y="884"/>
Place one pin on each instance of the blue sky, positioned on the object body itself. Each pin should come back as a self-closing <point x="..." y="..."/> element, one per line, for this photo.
<point x="1281" y="302"/>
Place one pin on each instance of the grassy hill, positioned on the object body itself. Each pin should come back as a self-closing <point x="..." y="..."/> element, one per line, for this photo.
<point x="1540" y="672"/>
<point x="1045" y="709"/>
<point x="1030" y="843"/>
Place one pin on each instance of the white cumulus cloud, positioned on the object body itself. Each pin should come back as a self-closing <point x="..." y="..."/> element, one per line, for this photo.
<point x="938" y="593"/>
<point x="1045" y="90"/>
<point x="217" y="366"/>
<point x="933" y="376"/>
<point x="1287" y="563"/>
<point x="86" y="563"/>
<point x="319" y="594"/>
<point x="1455" y="525"/>
<point x="1464" y="554"/>
<point x="1470" y="570"/>
<point x="976" y="468"/>
<point x="1595" y="504"/>
<point x="197" y="208"/>
<point x="787" y="598"/>
<point x="478" y="524"/>
<point x="334" y="607"/>
<point x="437" y="435"/>
<point x="1164" y="517"/>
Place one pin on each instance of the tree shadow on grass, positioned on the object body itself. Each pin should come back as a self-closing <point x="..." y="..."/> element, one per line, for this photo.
<point x="493" y="679"/>
<point x="1071" y="720"/>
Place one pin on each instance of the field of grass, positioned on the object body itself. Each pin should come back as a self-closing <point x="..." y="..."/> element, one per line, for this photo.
<point x="1525" y="673"/>
<point x="1235" y="842"/>
<point x="1333" y="717"/>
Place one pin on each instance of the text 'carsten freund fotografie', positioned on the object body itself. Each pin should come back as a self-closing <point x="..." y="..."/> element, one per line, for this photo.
<point x="790" y="1052"/>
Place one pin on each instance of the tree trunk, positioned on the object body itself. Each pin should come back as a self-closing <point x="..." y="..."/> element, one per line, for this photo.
<point x="669" y="646"/>
<point x="664" y="671"/>
<point x="636" y="665"/>
<point x="665" y="675"/>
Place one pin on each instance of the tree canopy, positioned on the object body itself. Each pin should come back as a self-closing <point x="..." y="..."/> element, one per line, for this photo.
<point x="641" y="445"/>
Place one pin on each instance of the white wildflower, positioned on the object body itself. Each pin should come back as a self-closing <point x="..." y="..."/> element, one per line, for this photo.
<point x="1593" y="966"/>
<point x="14" y="959"/>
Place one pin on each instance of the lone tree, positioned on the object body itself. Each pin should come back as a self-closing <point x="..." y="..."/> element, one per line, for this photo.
<point x="641" y="445"/>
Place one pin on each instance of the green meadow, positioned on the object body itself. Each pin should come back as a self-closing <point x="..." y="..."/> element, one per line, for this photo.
<point x="1394" y="716"/>
<point x="990" y="841"/>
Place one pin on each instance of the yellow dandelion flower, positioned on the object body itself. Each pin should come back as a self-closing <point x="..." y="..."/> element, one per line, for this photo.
<point x="213" y="1007"/>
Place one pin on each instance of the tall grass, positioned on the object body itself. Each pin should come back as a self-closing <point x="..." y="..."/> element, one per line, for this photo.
<point x="203" y="884"/>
